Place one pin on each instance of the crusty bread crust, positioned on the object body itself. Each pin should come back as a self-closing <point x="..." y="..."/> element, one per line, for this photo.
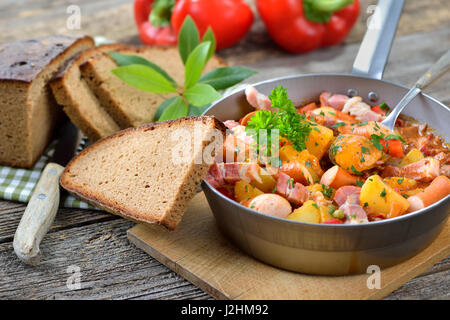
<point x="128" y="106"/>
<point x="25" y="69"/>
<point x="79" y="103"/>
<point x="187" y="190"/>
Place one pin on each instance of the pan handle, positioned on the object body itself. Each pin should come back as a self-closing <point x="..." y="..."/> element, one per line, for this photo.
<point x="376" y="44"/>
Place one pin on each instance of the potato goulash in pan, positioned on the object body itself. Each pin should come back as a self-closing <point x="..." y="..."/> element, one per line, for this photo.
<point x="329" y="161"/>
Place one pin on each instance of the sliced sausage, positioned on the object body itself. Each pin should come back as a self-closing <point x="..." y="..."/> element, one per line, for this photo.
<point x="271" y="204"/>
<point x="438" y="189"/>
<point x="337" y="177"/>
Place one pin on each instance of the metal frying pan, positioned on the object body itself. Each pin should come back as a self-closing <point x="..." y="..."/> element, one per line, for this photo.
<point x="337" y="249"/>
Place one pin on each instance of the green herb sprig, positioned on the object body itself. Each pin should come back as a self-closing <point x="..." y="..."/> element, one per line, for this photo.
<point x="289" y="123"/>
<point x="198" y="91"/>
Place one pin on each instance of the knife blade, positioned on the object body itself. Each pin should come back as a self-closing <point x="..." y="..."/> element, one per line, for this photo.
<point x="44" y="202"/>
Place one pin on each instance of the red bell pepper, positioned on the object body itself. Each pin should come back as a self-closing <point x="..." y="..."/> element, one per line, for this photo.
<point x="229" y="19"/>
<point x="333" y="221"/>
<point x="305" y="25"/>
<point x="394" y="148"/>
<point x="159" y="21"/>
<point x="153" y="22"/>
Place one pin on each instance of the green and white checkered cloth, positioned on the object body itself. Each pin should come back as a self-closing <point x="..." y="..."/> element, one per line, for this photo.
<point x="18" y="184"/>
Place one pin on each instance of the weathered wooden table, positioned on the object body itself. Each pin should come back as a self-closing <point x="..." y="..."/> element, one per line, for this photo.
<point x="95" y="243"/>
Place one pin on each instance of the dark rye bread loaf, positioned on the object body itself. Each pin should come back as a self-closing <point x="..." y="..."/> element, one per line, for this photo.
<point x="28" y="112"/>
<point x="133" y="174"/>
<point x="131" y="107"/>
<point x="80" y="104"/>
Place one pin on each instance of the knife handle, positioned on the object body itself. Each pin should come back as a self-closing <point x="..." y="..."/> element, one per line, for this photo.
<point x="38" y="215"/>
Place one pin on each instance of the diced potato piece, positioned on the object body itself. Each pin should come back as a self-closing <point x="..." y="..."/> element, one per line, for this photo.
<point x="328" y="192"/>
<point x="265" y="183"/>
<point x="412" y="156"/>
<point x="354" y="153"/>
<point x="319" y="140"/>
<point x="379" y="197"/>
<point x="245" y="191"/>
<point x="412" y="192"/>
<point x="308" y="212"/>
<point x="324" y="214"/>
<point x="311" y="162"/>
<point x="401" y="183"/>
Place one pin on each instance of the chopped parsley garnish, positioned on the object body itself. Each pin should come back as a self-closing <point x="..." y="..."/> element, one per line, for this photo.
<point x="362" y="158"/>
<point x="359" y="183"/>
<point x="355" y="171"/>
<point x="365" y="204"/>
<point x="383" y="193"/>
<point x="339" y="124"/>
<point x="365" y="150"/>
<point x="308" y="163"/>
<point x="327" y="191"/>
<point x="400" y="180"/>
<point x="291" y="182"/>
<point x="315" y="205"/>
<point x="360" y="124"/>
<point x="334" y="149"/>
<point x="274" y="189"/>
<point x="385" y="108"/>
<point x="405" y="195"/>
<point x="332" y="113"/>
<point x="376" y="141"/>
<point x="394" y="137"/>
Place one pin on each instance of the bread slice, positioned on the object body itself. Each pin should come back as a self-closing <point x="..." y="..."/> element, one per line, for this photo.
<point x="131" y="107"/>
<point x="29" y="113"/>
<point x="136" y="173"/>
<point x="73" y="93"/>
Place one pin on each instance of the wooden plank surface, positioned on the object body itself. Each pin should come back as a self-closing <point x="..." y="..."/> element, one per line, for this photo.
<point x="197" y="251"/>
<point x="110" y="266"/>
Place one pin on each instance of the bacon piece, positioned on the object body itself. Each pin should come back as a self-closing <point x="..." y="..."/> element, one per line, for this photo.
<point x="324" y="96"/>
<point x="298" y="195"/>
<point x="424" y="170"/>
<point x="231" y="173"/>
<point x="445" y="170"/>
<point x="354" y="212"/>
<point x="336" y="101"/>
<point x="293" y="191"/>
<point x="361" y="110"/>
<point x="230" y="124"/>
<point x="390" y="171"/>
<point x="214" y="176"/>
<point x="256" y="99"/>
<point x="347" y="194"/>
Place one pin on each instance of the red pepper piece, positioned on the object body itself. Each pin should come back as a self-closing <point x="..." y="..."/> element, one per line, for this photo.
<point x="305" y="25"/>
<point x="333" y="221"/>
<point x="394" y="148"/>
<point x="150" y="34"/>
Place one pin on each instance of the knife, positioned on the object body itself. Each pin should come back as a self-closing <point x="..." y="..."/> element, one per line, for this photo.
<point x="44" y="202"/>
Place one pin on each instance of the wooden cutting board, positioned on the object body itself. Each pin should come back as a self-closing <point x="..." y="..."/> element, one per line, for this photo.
<point x="197" y="251"/>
